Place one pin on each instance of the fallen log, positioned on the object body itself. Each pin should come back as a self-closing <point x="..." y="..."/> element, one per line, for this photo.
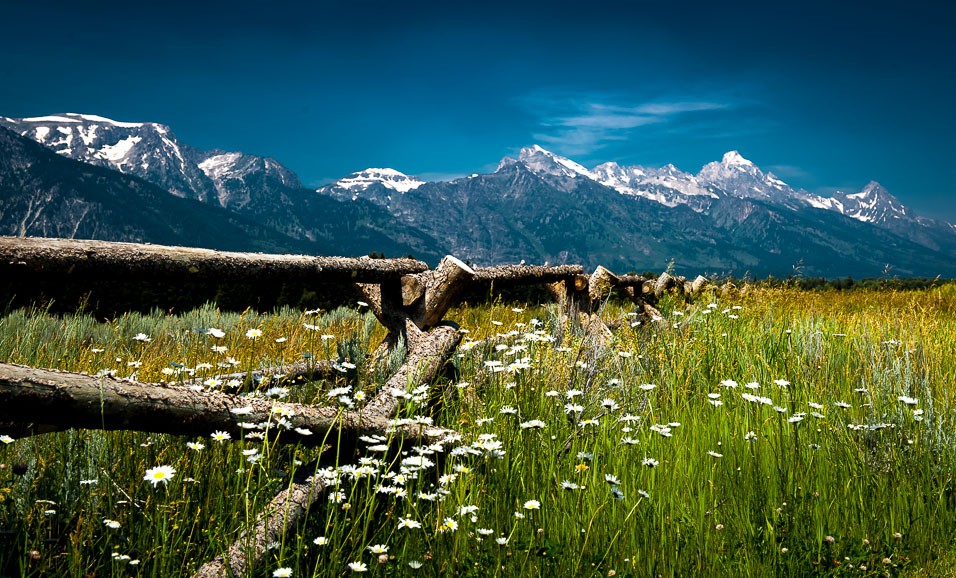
<point x="72" y="259"/>
<point x="44" y="400"/>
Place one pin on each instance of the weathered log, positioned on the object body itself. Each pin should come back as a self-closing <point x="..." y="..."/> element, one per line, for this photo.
<point x="636" y="281"/>
<point x="698" y="284"/>
<point x="50" y="400"/>
<point x="600" y="285"/>
<point x="441" y="287"/>
<point x="281" y="514"/>
<point x="526" y="274"/>
<point x="71" y="258"/>
<point x="290" y="505"/>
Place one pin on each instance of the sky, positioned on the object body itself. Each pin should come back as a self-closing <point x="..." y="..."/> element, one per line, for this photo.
<point x="827" y="95"/>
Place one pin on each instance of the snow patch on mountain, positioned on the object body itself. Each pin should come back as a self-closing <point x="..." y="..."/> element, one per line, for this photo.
<point x="388" y="178"/>
<point x="667" y="185"/>
<point x="118" y="152"/>
<point x="217" y="166"/>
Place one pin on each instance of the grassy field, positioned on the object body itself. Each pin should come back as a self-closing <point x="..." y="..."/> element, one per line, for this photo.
<point x="773" y="433"/>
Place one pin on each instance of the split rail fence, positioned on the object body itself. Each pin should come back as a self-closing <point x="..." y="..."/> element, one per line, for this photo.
<point x="407" y="297"/>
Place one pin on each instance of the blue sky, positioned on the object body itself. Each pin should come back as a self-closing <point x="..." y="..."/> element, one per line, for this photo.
<point x="826" y="95"/>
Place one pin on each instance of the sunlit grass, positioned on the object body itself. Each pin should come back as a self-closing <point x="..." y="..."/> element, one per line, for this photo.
<point x="770" y="433"/>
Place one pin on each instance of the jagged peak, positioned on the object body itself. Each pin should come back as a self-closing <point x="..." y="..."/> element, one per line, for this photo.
<point x="734" y="158"/>
<point x="540" y="160"/>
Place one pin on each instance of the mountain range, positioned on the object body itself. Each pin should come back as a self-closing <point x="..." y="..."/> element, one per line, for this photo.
<point x="86" y="176"/>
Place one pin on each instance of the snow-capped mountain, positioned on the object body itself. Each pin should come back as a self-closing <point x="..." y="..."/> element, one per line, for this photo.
<point x="667" y="185"/>
<point x="146" y="150"/>
<point x="733" y="176"/>
<point x="873" y="204"/>
<point x="739" y="177"/>
<point x="240" y="178"/>
<point x="388" y="178"/>
<point x="152" y="152"/>
<point x="730" y="217"/>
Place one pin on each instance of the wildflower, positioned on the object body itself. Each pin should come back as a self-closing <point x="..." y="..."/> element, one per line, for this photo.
<point x="573" y="408"/>
<point x="797" y="417"/>
<point x="502" y="540"/>
<point x="581" y="467"/>
<point x="532" y="505"/>
<point x="629" y="441"/>
<point x="572" y="393"/>
<point x="611" y="479"/>
<point x="533" y="424"/>
<point x="320" y="541"/>
<point x="569" y="485"/>
<point x="465" y="510"/>
<point x="414" y="564"/>
<point x="195" y="446"/>
<point x="448" y="525"/>
<point x="617" y="492"/>
<point x="750" y="436"/>
<point x="781" y="382"/>
<point x="6" y="439"/>
<point x="650" y="462"/>
<point x="142" y="337"/>
<point x="357" y="566"/>
<point x="647" y="386"/>
<point x="610" y="404"/>
<point x="841" y="404"/>
<point x="908" y="400"/>
<point x="254" y="333"/>
<point x="408" y="523"/>
<point x="508" y="410"/>
<point x="159" y="474"/>
<point x="728" y="383"/>
<point x="220" y="436"/>
<point x="113" y="524"/>
<point x="217" y="333"/>
<point x="714" y="454"/>
<point x="282" y="573"/>
<point x="752" y="385"/>
<point x="378" y="549"/>
<point x="337" y="496"/>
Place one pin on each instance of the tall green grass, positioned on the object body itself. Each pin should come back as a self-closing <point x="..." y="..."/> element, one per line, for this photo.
<point x="771" y="433"/>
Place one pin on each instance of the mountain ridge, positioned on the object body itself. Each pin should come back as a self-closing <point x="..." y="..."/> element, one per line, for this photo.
<point x="730" y="217"/>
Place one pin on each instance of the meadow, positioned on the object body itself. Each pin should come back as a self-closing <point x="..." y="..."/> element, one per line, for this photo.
<point x="773" y="432"/>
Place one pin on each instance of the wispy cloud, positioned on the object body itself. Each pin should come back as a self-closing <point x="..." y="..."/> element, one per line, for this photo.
<point x="580" y="124"/>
